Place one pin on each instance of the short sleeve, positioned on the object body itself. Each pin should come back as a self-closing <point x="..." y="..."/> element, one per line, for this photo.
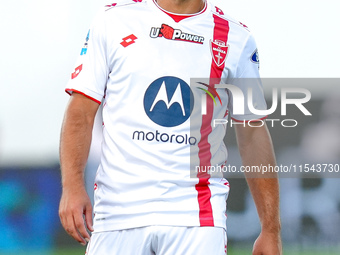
<point x="248" y="82"/>
<point x="91" y="72"/>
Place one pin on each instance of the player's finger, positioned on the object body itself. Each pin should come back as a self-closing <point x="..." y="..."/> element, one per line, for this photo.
<point x="61" y="215"/>
<point x="80" y="227"/>
<point x="70" y="228"/>
<point x="61" y="218"/>
<point x="67" y="224"/>
<point x="88" y="217"/>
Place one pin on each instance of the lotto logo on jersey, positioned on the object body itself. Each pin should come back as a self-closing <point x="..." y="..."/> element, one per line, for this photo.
<point x="243" y="25"/>
<point x="128" y="40"/>
<point x="219" y="11"/>
<point x="168" y="101"/>
<point x="174" y="34"/>
<point x="111" y="5"/>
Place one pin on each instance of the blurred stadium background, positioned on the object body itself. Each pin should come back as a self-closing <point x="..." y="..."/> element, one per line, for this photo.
<point x="38" y="50"/>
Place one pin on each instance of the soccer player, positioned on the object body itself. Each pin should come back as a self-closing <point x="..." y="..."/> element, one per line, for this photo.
<point x="139" y="60"/>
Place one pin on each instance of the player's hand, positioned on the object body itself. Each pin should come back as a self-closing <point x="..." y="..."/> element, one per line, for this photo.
<point x="75" y="204"/>
<point x="268" y="244"/>
<point x="167" y="31"/>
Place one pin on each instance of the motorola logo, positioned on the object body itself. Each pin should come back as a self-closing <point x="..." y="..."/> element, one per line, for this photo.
<point x="168" y="101"/>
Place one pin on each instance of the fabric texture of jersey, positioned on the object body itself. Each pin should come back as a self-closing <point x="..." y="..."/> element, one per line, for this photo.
<point x="141" y="63"/>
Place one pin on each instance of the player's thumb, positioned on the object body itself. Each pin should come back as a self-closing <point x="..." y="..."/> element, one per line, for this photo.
<point x="88" y="217"/>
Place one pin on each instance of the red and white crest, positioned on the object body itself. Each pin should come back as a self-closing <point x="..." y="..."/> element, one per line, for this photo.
<point x="219" y="51"/>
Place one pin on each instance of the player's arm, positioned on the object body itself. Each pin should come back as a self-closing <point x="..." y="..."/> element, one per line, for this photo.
<point x="75" y="143"/>
<point x="256" y="148"/>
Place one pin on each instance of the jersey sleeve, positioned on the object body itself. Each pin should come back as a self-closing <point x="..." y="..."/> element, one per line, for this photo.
<point x="91" y="72"/>
<point x="247" y="80"/>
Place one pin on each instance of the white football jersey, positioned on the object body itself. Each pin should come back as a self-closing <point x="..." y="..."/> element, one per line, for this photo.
<point x="142" y="63"/>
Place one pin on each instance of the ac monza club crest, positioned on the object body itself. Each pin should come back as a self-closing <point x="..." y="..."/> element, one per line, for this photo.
<point x="219" y="51"/>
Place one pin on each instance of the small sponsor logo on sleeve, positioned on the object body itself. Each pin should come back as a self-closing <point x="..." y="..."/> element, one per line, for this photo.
<point x="255" y="57"/>
<point x="84" y="49"/>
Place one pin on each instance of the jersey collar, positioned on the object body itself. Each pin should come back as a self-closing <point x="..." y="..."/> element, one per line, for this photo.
<point x="178" y="17"/>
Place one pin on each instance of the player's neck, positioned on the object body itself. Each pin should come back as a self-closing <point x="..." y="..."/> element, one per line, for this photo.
<point x="182" y="6"/>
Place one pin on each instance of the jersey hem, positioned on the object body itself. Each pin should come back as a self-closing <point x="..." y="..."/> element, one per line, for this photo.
<point x="131" y="225"/>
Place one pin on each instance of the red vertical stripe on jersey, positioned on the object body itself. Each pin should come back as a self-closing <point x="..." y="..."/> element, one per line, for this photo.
<point x="221" y="31"/>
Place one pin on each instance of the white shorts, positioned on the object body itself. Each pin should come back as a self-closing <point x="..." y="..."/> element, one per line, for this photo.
<point x="160" y="240"/>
